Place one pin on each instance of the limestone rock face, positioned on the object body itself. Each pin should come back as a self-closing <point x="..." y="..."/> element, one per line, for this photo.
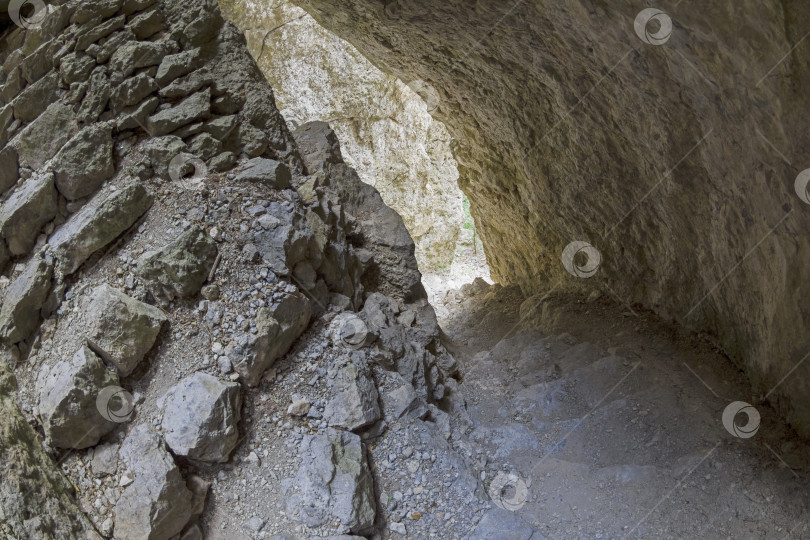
<point x="676" y="161"/>
<point x="122" y="329"/>
<point x="39" y="502"/>
<point x="158" y="503"/>
<point x="385" y="128"/>
<point x="201" y="416"/>
<point x="67" y="400"/>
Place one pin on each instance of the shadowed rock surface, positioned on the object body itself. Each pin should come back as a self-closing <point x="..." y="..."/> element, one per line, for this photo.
<point x="569" y="127"/>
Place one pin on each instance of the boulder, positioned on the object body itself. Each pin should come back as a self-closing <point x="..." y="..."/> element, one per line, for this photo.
<point x="176" y="65"/>
<point x="132" y="91"/>
<point x="180" y="268"/>
<point x="279" y="326"/>
<point x="266" y="171"/>
<point x="162" y="150"/>
<point x="43" y="137"/>
<point x="84" y="163"/>
<point x="36" y="98"/>
<point x="334" y="482"/>
<point x="147" y="24"/>
<point x="158" y="503"/>
<point x="201" y="417"/>
<point x="23" y="300"/>
<point x="76" y="67"/>
<point x="193" y="108"/>
<point x="23" y="214"/>
<point x="138" y="54"/>
<point x="67" y="400"/>
<point x="355" y="404"/>
<point x="97" y="224"/>
<point x="9" y="169"/>
<point x="97" y="97"/>
<point x="121" y="329"/>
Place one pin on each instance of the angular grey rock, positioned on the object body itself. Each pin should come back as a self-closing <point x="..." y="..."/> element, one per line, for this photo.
<point x="193" y="108"/>
<point x="333" y="482"/>
<point x="98" y="223"/>
<point x="67" y="400"/>
<point x="319" y="146"/>
<point x="105" y="459"/>
<point x="94" y="32"/>
<point x="84" y="163"/>
<point x="97" y="97"/>
<point x="204" y="146"/>
<point x="222" y="162"/>
<point x="133" y="6"/>
<point x="36" y="98"/>
<point x="147" y="24"/>
<point x="121" y="329"/>
<point x="88" y="10"/>
<point x="132" y="91"/>
<point x="9" y="169"/>
<point x="266" y="171"/>
<point x="133" y="117"/>
<point x="20" y="312"/>
<point x="355" y="402"/>
<point x="279" y="326"/>
<point x="30" y="206"/>
<point x="6" y="118"/>
<point x="283" y="241"/>
<point x="158" y="503"/>
<point x="139" y="54"/>
<point x="201" y="417"/>
<point x="254" y="141"/>
<point x="180" y="268"/>
<point x="42" y="138"/>
<point x="221" y="127"/>
<point x="500" y="523"/>
<point x="161" y="151"/>
<point x="177" y="65"/>
<point x="76" y="67"/>
<point x="404" y="403"/>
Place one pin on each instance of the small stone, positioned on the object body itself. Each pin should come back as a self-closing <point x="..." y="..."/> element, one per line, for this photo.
<point x="254" y="524"/>
<point x="398" y="528"/>
<point x="299" y="408"/>
<point x="267" y="171"/>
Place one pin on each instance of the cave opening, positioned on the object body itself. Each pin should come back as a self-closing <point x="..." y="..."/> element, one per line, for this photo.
<point x="385" y="129"/>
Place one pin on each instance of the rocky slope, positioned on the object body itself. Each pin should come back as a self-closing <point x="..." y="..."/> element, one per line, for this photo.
<point x="386" y="131"/>
<point x="166" y="240"/>
<point x="674" y="154"/>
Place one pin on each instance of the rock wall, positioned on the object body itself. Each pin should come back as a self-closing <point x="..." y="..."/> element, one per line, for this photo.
<point x="673" y="154"/>
<point x="385" y="129"/>
<point x="165" y="240"/>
